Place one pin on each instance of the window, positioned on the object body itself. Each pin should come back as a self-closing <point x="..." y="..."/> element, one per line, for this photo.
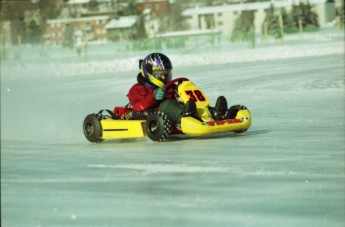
<point x="220" y="14"/>
<point x="101" y="31"/>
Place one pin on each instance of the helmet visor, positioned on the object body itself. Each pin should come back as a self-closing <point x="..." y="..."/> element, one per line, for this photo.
<point x="163" y="75"/>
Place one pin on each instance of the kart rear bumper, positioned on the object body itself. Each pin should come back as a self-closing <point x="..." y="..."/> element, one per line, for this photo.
<point x="118" y="129"/>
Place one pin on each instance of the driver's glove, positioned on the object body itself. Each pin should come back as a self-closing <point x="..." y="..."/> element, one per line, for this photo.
<point x="159" y="94"/>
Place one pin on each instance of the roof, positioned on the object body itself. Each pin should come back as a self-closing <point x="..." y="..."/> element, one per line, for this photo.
<point x="86" y="1"/>
<point x="148" y="1"/>
<point x="122" y="22"/>
<point x="189" y="33"/>
<point x="79" y="19"/>
<point x="78" y="1"/>
<point x="246" y="6"/>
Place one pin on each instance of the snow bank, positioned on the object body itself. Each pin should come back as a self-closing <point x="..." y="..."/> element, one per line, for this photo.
<point x="22" y="70"/>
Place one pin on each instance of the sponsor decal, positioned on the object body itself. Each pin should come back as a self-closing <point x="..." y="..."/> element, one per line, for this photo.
<point x="223" y="122"/>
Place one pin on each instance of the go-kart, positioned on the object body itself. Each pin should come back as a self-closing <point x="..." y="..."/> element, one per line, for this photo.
<point x="120" y="123"/>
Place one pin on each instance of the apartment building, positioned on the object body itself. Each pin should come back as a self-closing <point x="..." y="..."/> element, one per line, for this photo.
<point x="223" y="17"/>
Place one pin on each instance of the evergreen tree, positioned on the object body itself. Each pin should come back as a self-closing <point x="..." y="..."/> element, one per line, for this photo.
<point x="308" y="16"/>
<point x="15" y="11"/>
<point x="285" y="16"/>
<point x="341" y="14"/>
<point x="68" y="36"/>
<point x="305" y="13"/>
<point x="295" y="15"/>
<point x="131" y="8"/>
<point x="93" y="5"/>
<point x="177" y="22"/>
<point x="34" y="32"/>
<point x="141" y="28"/>
<point x="49" y="9"/>
<point x="271" y="23"/>
<point x="244" y="27"/>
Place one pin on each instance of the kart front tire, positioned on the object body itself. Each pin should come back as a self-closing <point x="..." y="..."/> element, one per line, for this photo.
<point x="232" y="113"/>
<point x="158" y="126"/>
<point x="92" y="128"/>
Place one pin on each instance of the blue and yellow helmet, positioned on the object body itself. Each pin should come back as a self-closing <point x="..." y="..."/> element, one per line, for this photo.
<point x="156" y="68"/>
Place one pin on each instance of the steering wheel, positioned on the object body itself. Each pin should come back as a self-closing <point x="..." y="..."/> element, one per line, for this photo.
<point x="172" y="82"/>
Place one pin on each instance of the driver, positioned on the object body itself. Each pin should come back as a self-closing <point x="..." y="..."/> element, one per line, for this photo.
<point x="149" y="93"/>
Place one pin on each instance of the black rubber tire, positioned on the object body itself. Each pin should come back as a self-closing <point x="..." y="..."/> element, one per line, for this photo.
<point x="92" y="128"/>
<point x="158" y="126"/>
<point x="232" y="112"/>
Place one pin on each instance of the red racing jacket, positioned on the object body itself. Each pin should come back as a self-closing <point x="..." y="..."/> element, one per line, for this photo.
<point x="142" y="98"/>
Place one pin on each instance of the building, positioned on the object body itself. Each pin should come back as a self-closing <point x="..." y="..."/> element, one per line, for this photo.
<point x="157" y="8"/>
<point x="93" y="28"/>
<point x="223" y="17"/>
<point x="85" y="8"/>
<point x="122" y="28"/>
<point x="153" y="12"/>
<point x="91" y="18"/>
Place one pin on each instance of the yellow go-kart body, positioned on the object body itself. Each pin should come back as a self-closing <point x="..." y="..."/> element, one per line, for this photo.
<point x="193" y="127"/>
<point x="98" y="127"/>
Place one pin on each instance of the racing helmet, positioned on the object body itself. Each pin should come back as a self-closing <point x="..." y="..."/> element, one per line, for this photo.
<point x="156" y="69"/>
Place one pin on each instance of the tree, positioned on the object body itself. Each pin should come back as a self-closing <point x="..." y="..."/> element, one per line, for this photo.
<point x="308" y="16"/>
<point x="177" y="22"/>
<point x="131" y="8"/>
<point x="34" y="32"/>
<point x="141" y="28"/>
<point x="271" y="22"/>
<point x="14" y="10"/>
<point x="304" y="14"/>
<point x="49" y="9"/>
<point x="244" y="27"/>
<point x="341" y="14"/>
<point x="68" y="36"/>
<point x="93" y="5"/>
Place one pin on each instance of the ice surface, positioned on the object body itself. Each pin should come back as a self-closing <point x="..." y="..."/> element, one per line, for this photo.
<point x="287" y="170"/>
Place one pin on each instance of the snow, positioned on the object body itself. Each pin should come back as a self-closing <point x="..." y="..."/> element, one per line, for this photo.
<point x="287" y="170"/>
<point x="97" y="67"/>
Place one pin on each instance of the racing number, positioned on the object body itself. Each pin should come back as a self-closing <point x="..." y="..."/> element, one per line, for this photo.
<point x="195" y="95"/>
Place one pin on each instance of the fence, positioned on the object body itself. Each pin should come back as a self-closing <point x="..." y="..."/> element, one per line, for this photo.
<point x="178" y="40"/>
<point x="217" y="42"/>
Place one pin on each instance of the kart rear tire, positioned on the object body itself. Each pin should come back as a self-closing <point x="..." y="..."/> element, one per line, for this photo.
<point x="92" y="128"/>
<point x="158" y="126"/>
